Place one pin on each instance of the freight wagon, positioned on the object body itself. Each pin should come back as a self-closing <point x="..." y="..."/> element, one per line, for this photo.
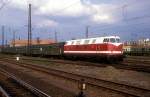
<point x="55" y="49"/>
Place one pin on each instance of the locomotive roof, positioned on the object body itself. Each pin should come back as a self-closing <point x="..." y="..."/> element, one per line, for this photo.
<point x="98" y="38"/>
<point x="89" y="40"/>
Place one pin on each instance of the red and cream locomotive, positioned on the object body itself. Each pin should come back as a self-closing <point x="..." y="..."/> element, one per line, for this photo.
<point x="108" y="47"/>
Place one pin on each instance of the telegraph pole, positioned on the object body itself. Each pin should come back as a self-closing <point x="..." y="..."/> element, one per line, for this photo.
<point x="29" y="31"/>
<point x="87" y="32"/>
<point x="3" y="30"/>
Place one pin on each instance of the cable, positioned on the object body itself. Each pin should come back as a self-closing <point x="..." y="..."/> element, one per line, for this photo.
<point x="117" y="26"/>
<point x="137" y="18"/>
<point x="4" y="4"/>
<point x="125" y="19"/>
<point x="60" y="11"/>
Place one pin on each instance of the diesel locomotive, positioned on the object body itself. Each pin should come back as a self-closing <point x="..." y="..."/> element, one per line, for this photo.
<point x="100" y="48"/>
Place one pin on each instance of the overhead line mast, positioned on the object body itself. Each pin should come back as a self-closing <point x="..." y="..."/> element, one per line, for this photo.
<point x="29" y="31"/>
<point x="87" y="32"/>
<point x="55" y="36"/>
<point x="3" y="40"/>
<point x="14" y="34"/>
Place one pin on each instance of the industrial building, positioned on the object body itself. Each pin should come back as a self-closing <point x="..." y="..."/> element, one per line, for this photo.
<point x="140" y="47"/>
<point x="17" y="43"/>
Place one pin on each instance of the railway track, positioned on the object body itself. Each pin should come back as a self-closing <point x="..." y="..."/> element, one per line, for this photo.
<point x="11" y="86"/>
<point x="129" y="65"/>
<point x="139" y="57"/>
<point x="3" y="93"/>
<point x="126" y="65"/>
<point x="140" y="61"/>
<point x="113" y="86"/>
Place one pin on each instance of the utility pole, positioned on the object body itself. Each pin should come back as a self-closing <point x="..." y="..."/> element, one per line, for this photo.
<point x="87" y="32"/>
<point x="14" y="34"/>
<point x="3" y="30"/>
<point x="29" y="31"/>
<point x="6" y="42"/>
<point x="55" y="36"/>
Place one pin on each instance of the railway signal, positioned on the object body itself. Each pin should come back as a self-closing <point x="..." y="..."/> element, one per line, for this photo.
<point x="17" y="58"/>
<point x="82" y="87"/>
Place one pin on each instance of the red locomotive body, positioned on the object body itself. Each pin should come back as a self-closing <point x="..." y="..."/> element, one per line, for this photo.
<point x="108" y="48"/>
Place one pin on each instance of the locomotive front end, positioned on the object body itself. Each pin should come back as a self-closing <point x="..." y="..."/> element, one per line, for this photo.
<point x="114" y="48"/>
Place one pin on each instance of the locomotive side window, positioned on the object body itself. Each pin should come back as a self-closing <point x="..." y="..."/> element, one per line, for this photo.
<point x="72" y="42"/>
<point x="86" y="41"/>
<point x="78" y="42"/>
<point x="94" y="40"/>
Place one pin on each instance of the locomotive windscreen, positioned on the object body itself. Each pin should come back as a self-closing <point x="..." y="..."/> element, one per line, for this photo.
<point x="113" y="40"/>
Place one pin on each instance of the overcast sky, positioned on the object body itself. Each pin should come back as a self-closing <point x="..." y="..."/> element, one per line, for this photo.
<point x="129" y="19"/>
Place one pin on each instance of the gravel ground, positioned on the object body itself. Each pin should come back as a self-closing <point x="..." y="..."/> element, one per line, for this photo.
<point x="140" y="79"/>
<point x="49" y="84"/>
<point x="37" y="80"/>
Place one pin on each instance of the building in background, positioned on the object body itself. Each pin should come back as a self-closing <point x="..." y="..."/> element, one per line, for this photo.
<point x="140" y="47"/>
<point x="37" y="41"/>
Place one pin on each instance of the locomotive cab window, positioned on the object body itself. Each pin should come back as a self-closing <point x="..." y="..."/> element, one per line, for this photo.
<point x="112" y="40"/>
<point x="106" y="40"/>
<point x="117" y="40"/>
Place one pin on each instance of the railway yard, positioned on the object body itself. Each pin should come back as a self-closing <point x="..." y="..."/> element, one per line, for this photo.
<point x="75" y="48"/>
<point x="49" y="77"/>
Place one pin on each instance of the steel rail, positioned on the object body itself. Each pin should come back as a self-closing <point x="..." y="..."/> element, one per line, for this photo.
<point x="3" y="93"/>
<point x="34" y="90"/>
<point x="118" y="87"/>
<point x="124" y="65"/>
